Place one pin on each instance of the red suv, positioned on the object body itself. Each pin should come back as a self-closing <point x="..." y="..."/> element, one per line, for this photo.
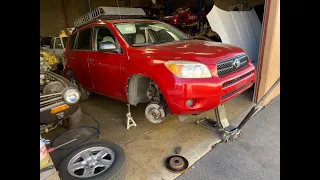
<point x="148" y="61"/>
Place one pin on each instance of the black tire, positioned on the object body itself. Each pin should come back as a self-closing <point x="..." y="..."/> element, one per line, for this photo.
<point x="115" y="172"/>
<point x="84" y="94"/>
<point x="74" y="120"/>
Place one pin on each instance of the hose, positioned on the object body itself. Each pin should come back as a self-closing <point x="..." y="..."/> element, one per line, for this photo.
<point x="81" y="127"/>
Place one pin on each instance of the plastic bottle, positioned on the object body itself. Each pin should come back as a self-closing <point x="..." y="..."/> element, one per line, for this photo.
<point x="44" y="156"/>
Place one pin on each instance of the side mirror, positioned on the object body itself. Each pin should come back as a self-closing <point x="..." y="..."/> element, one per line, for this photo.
<point x="106" y="46"/>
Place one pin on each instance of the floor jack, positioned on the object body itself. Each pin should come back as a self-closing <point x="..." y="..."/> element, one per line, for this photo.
<point x="229" y="132"/>
<point x="130" y="121"/>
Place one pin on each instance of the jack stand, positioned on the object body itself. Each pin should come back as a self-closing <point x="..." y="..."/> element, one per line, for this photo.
<point x="130" y="121"/>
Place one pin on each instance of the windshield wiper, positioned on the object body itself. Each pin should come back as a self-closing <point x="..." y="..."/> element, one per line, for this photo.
<point x="160" y="42"/>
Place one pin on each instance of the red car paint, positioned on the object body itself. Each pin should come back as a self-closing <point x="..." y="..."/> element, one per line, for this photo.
<point x="109" y="73"/>
<point x="186" y="14"/>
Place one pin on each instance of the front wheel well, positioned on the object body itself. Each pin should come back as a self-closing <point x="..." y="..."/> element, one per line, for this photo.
<point x="137" y="89"/>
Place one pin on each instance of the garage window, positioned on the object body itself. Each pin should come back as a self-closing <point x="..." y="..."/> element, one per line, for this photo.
<point x="84" y="40"/>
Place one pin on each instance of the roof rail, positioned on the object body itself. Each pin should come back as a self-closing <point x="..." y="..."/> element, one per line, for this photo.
<point x="108" y="13"/>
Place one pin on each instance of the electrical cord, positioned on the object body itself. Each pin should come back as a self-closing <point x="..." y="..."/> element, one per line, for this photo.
<point x="81" y="127"/>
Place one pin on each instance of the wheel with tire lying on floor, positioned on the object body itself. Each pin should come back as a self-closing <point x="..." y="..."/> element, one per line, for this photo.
<point x="94" y="161"/>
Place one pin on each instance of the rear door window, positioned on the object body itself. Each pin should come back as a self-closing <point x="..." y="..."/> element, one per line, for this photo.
<point x="84" y="40"/>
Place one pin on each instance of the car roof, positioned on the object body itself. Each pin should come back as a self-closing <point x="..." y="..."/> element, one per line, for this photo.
<point x="129" y="20"/>
<point x="115" y="21"/>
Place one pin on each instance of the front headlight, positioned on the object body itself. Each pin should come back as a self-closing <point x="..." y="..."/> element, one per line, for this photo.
<point x="71" y="96"/>
<point x="188" y="69"/>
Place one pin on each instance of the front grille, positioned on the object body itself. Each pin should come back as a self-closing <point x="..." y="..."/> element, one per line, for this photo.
<point x="48" y="100"/>
<point x="226" y="67"/>
<point x="235" y="91"/>
<point x="236" y="79"/>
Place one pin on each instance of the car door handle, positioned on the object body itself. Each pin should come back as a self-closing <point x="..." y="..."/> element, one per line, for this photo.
<point x="91" y="60"/>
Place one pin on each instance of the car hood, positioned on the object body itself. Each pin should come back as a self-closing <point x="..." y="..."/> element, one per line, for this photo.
<point x="206" y="52"/>
<point x="242" y="29"/>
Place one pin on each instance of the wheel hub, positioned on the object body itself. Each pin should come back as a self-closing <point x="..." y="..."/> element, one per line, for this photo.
<point x="176" y="164"/>
<point x="155" y="113"/>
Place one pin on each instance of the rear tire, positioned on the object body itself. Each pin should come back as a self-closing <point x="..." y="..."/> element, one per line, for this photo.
<point x="74" y="120"/>
<point x="84" y="94"/>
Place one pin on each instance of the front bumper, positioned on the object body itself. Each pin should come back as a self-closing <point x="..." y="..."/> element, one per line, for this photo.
<point x="209" y="93"/>
<point x="46" y="117"/>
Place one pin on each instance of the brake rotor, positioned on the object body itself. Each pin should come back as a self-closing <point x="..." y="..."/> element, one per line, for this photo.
<point x="176" y="164"/>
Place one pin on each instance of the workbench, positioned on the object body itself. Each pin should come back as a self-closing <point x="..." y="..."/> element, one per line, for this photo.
<point x="49" y="172"/>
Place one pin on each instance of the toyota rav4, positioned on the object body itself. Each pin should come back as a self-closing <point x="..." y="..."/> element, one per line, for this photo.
<point x="148" y="61"/>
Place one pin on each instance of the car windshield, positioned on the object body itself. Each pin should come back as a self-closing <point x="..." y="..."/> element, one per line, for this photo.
<point x="149" y="33"/>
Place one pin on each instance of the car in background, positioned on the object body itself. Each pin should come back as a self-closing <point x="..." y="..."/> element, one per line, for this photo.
<point x="49" y="58"/>
<point x="183" y="16"/>
<point x="45" y="41"/>
<point x="57" y="46"/>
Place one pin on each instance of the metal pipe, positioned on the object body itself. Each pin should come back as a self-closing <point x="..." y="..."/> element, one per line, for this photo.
<point x="65" y="13"/>
<point x="199" y="15"/>
<point x="254" y="108"/>
<point x="89" y="5"/>
<point x="57" y="147"/>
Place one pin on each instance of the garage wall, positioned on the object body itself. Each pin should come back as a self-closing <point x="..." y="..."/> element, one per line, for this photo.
<point x="51" y="17"/>
<point x="270" y="54"/>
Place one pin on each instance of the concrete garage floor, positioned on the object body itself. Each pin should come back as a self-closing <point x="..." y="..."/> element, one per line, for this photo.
<point x="148" y="145"/>
<point x="254" y="155"/>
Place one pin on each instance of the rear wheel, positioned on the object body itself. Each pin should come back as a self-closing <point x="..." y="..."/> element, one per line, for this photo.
<point x="75" y="82"/>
